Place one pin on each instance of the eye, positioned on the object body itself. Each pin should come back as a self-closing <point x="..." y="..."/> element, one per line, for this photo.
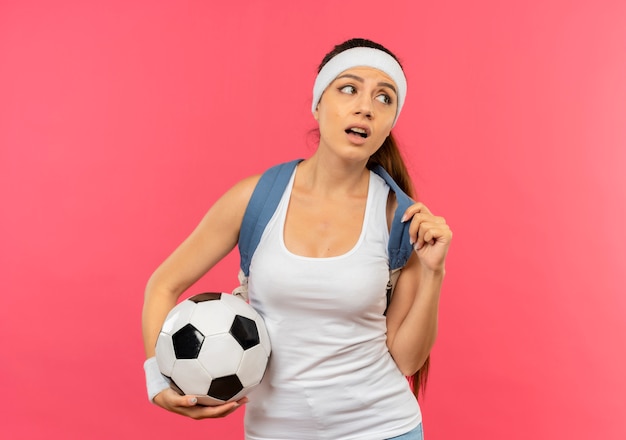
<point x="384" y="98"/>
<point x="350" y="90"/>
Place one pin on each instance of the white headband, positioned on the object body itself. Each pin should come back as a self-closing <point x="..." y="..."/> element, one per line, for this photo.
<point x="360" y="57"/>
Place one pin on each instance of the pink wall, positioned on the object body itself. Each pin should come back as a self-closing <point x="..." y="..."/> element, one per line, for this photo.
<point x="122" y="121"/>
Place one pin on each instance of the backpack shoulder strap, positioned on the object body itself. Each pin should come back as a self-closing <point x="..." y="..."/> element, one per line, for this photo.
<point x="263" y="203"/>
<point x="267" y="195"/>
<point x="400" y="248"/>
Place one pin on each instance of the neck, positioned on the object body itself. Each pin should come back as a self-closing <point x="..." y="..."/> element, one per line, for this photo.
<point x="333" y="176"/>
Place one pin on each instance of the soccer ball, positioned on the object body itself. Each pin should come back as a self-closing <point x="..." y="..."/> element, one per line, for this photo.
<point x="214" y="346"/>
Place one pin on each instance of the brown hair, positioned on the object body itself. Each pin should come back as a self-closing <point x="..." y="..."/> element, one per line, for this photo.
<point x="390" y="158"/>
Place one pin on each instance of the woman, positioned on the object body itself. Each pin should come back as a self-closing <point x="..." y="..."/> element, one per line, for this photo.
<point x="340" y="356"/>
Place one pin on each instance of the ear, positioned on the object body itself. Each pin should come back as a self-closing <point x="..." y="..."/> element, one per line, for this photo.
<point x="316" y="113"/>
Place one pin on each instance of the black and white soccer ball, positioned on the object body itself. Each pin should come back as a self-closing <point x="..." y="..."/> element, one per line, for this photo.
<point x="214" y="346"/>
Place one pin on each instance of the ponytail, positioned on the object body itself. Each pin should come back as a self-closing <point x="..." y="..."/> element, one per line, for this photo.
<point x="388" y="156"/>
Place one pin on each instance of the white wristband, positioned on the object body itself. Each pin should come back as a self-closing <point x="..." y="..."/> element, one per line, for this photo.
<point x="155" y="381"/>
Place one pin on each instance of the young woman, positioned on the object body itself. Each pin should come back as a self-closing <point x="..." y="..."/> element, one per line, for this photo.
<point x="340" y="356"/>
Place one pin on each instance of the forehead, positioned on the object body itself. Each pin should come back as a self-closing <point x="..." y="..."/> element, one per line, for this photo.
<point x="368" y="74"/>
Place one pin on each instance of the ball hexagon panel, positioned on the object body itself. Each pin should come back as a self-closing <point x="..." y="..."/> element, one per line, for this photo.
<point x="164" y="352"/>
<point x="191" y="377"/>
<point x="245" y="332"/>
<point x="220" y="355"/>
<point x="221" y="317"/>
<point x="252" y="367"/>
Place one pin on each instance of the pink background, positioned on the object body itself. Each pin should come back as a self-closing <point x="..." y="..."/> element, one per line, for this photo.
<point x="122" y="121"/>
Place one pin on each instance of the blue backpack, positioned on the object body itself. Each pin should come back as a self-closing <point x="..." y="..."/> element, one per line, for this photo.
<point x="265" y="198"/>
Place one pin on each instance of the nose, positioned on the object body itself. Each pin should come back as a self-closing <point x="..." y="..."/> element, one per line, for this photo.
<point x="364" y="106"/>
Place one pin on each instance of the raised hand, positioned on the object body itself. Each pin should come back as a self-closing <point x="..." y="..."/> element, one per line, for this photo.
<point x="430" y="236"/>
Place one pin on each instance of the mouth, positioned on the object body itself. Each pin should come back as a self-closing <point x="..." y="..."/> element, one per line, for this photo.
<point x="358" y="131"/>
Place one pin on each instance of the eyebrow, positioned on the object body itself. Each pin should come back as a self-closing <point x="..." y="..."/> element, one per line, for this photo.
<point x="358" y="78"/>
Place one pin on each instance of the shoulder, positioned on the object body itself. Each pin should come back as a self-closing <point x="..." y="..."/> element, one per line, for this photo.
<point x="231" y="206"/>
<point x="265" y="183"/>
<point x="242" y="190"/>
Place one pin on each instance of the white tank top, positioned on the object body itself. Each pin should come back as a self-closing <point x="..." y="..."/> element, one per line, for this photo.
<point x="330" y="375"/>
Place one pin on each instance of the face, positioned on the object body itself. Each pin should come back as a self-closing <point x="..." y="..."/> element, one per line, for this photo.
<point x="356" y="112"/>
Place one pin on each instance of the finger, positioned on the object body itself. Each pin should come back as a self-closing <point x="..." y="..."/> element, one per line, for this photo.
<point x="168" y="398"/>
<point x="414" y="209"/>
<point x="189" y="401"/>
<point x="228" y="408"/>
<point x="431" y="233"/>
<point x="422" y="233"/>
<point x="419" y="221"/>
<point x="429" y="238"/>
<point x="199" y="412"/>
<point x="221" y="410"/>
<point x="172" y="398"/>
<point x="176" y="402"/>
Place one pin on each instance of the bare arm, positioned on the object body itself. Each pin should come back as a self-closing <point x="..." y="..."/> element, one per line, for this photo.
<point x="213" y="238"/>
<point x="413" y="313"/>
<point x="413" y="316"/>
